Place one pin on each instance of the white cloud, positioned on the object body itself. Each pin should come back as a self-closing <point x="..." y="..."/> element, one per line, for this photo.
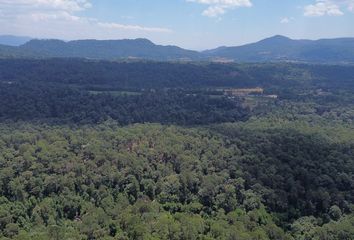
<point x="328" y="7"/>
<point x="66" y="5"/>
<point x="285" y="20"/>
<point x="346" y="3"/>
<point x="350" y="5"/>
<point x="59" y="19"/>
<point x="321" y="8"/>
<point x="132" y="27"/>
<point x="213" y="11"/>
<point x="219" y="7"/>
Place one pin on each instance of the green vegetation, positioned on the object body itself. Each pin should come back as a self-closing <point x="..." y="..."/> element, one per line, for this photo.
<point x="159" y="182"/>
<point x="274" y="49"/>
<point x="80" y="159"/>
<point x="134" y="76"/>
<point x="65" y="105"/>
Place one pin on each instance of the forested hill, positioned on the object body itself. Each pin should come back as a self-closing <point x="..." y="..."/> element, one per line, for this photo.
<point x="105" y="49"/>
<point x="280" y="48"/>
<point x="274" y="49"/>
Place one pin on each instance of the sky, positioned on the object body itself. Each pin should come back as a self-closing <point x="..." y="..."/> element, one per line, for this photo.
<point x="192" y="24"/>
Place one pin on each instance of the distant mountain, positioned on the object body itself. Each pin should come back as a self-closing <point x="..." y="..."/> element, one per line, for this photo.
<point x="107" y="49"/>
<point x="280" y="48"/>
<point x="16" y="52"/>
<point x="10" y="40"/>
<point x="274" y="49"/>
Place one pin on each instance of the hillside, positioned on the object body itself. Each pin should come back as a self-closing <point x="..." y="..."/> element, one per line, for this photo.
<point x="280" y="48"/>
<point x="274" y="49"/>
<point x="107" y="49"/>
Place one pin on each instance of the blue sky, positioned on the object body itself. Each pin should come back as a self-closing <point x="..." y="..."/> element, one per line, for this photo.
<point x="194" y="24"/>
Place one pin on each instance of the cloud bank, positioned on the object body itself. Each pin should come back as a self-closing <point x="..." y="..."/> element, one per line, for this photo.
<point x="286" y="20"/>
<point x="328" y="8"/>
<point x="61" y="19"/>
<point x="220" y="7"/>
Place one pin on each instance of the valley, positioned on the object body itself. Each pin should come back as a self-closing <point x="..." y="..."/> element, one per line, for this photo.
<point x="93" y="149"/>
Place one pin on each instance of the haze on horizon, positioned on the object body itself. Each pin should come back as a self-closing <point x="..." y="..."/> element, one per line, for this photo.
<point x="193" y="24"/>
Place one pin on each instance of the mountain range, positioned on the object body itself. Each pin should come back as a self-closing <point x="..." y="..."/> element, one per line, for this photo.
<point x="273" y="49"/>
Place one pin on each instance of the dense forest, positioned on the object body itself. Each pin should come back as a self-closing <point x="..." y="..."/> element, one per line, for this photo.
<point x="63" y="105"/>
<point x="149" y="150"/>
<point x="157" y="75"/>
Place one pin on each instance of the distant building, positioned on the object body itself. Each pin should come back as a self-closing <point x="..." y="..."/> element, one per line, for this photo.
<point x="272" y="96"/>
<point x="241" y="92"/>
